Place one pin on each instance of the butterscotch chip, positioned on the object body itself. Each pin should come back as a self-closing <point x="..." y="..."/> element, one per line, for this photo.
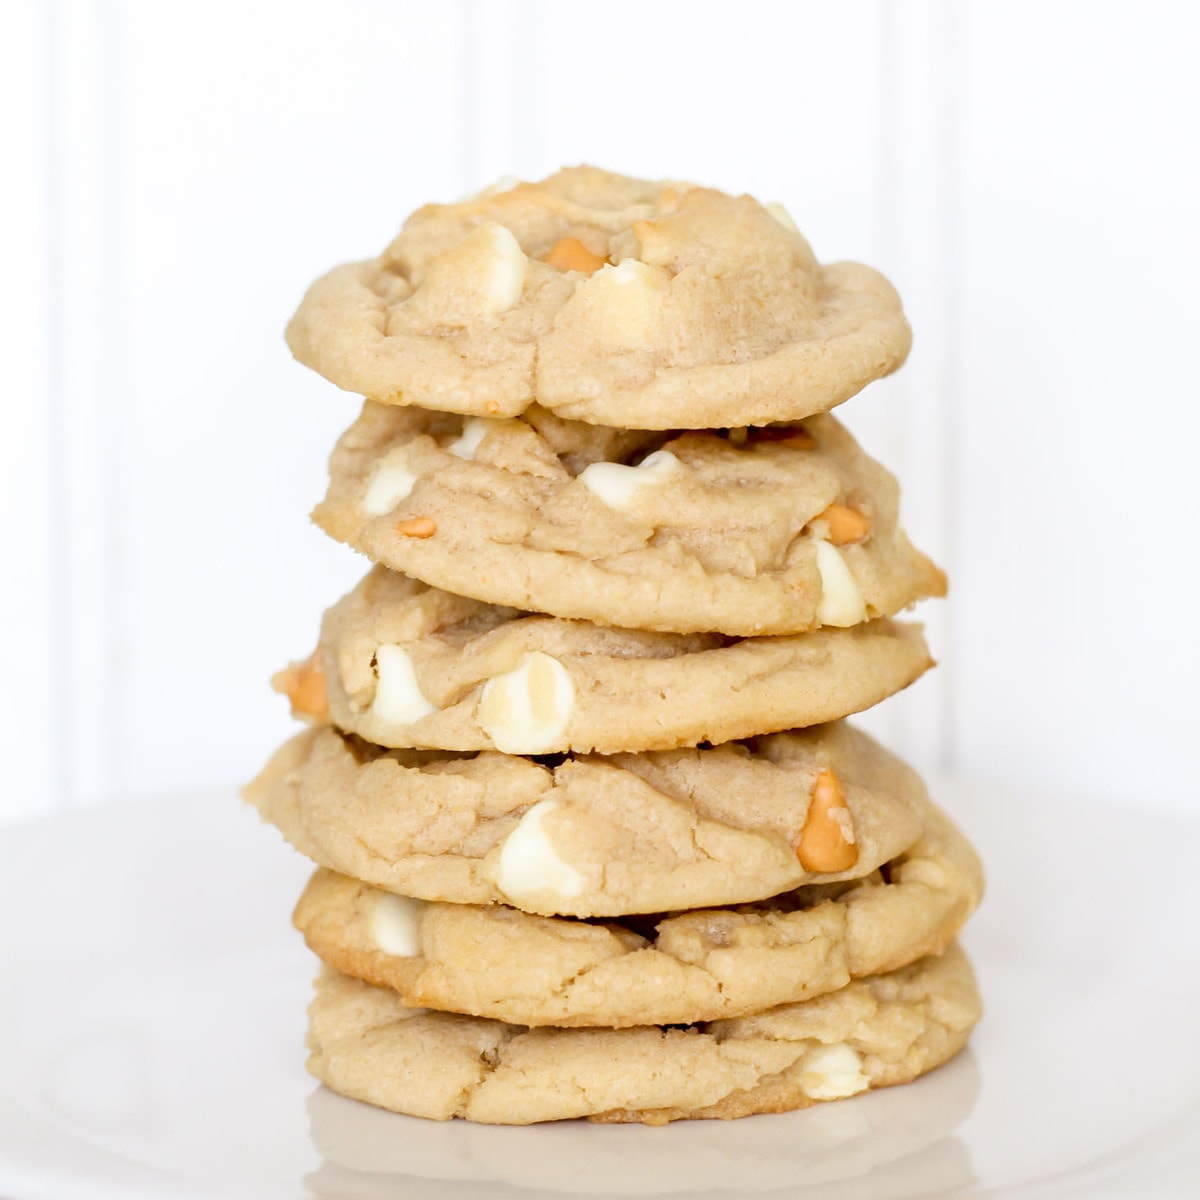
<point x="795" y="436"/>
<point x="570" y="254"/>
<point x="416" y="527"/>
<point x="629" y="690"/>
<point x="480" y="307"/>
<point x="875" y="1032"/>
<point x="588" y="835"/>
<point x="303" y="683"/>
<point x="827" y="841"/>
<point x="843" y="525"/>
<point x="680" y="533"/>
<point x="499" y="962"/>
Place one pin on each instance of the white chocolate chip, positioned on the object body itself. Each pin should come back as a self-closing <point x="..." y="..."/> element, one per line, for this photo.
<point x="844" y="820"/>
<point x="398" y="698"/>
<point x="527" y="710"/>
<point x="507" y="266"/>
<point x="391" y="483"/>
<point x="529" y="863"/>
<point x="482" y="276"/>
<point x="923" y="871"/>
<point x="782" y="215"/>
<point x="505" y="183"/>
<point x="841" y="598"/>
<point x="474" y="430"/>
<point x="396" y="925"/>
<point x="625" y="300"/>
<point x="632" y="273"/>
<point x="620" y="487"/>
<point x="833" y="1072"/>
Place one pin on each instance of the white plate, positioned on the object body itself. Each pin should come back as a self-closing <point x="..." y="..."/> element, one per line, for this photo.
<point x="152" y="1016"/>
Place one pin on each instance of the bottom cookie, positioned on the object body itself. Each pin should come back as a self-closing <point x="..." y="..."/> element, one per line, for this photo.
<point x="874" y="1032"/>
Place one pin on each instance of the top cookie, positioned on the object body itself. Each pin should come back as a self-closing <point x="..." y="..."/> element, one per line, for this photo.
<point x="610" y="300"/>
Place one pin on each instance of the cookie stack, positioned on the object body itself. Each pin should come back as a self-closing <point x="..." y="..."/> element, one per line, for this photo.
<point x="592" y="838"/>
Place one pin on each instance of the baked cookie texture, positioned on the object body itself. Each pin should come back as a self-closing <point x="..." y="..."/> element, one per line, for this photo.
<point x="404" y="665"/>
<point x="875" y="1032"/>
<point x="592" y="837"/>
<point x="701" y="965"/>
<point x="611" y="300"/>
<point x="891" y="1139"/>
<point x="596" y="836"/>
<point x="757" y="532"/>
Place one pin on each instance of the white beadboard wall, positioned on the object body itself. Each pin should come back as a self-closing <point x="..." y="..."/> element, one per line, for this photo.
<point x="1025" y="172"/>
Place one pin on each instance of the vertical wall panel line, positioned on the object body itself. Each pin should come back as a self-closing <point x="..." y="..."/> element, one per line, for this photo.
<point x="62" y="713"/>
<point x="110" y="693"/>
<point x="527" y="139"/>
<point x="468" y="154"/>
<point x="30" y="662"/>
<point x="917" y="202"/>
<point x="954" y="135"/>
<point x="499" y="44"/>
<point x="85" y="233"/>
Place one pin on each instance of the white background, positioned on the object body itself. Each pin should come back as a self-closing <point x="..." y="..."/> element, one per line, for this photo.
<point x="176" y="174"/>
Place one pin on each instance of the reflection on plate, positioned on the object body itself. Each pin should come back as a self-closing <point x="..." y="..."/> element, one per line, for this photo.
<point x="899" y="1139"/>
<point x="152" y="1017"/>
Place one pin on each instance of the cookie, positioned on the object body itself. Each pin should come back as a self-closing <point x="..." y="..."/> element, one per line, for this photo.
<point x="402" y="664"/>
<point x="774" y="531"/>
<point x="610" y="300"/>
<point x="597" y="836"/>
<point x="886" y="1029"/>
<point x="493" y="961"/>
<point x="899" y="1139"/>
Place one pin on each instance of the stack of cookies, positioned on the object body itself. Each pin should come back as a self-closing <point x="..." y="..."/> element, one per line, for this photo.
<point x="593" y="839"/>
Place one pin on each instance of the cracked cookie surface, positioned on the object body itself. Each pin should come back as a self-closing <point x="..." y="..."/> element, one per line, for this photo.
<point x="402" y="665"/>
<point x="591" y="835"/>
<point x="611" y="300"/>
<point x="753" y="532"/>
<point x="364" y="1148"/>
<point x="498" y="962"/>
<point x="875" y="1032"/>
